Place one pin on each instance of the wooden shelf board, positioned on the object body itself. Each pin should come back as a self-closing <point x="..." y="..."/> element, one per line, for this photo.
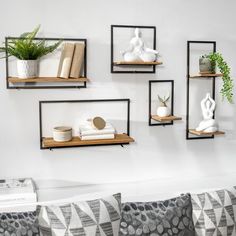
<point x="76" y="141"/>
<point x="137" y="63"/>
<point x="46" y="80"/>
<point x="204" y="76"/>
<point x="167" y="118"/>
<point x="199" y="133"/>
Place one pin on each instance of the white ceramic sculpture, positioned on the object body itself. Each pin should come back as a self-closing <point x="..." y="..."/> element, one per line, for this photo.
<point x="163" y="110"/>
<point x="208" y="125"/>
<point x="137" y="50"/>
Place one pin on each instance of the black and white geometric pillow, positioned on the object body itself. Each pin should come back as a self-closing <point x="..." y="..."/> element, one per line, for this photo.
<point x="166" y="218"/>
<point x="18" y="224"/>
<point x="214" y="213"/>
<point x="87" y="218"/>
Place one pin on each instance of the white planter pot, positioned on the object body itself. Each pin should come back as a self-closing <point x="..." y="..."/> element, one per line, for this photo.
<point x="163" y="111"/>
<point x="27" y="68"/>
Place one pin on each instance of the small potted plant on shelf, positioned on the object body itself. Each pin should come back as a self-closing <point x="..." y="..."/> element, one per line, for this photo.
<point x="28" y="51"/>
<point x="163" y="110"/>
<point x="208" y="65"/>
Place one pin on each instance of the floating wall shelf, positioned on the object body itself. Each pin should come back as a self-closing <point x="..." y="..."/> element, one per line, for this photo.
<point x="120" y="139"/>
<point x="204" y="76"/>
<point x="48" y="82"/>
<point x="135" y="67"/>
<point x="138" y="63"/>
<point x="77" y="142"/>
<point x="199" y="133"/>
<point x="192" y="134"/>
<point x="168" y="120"/>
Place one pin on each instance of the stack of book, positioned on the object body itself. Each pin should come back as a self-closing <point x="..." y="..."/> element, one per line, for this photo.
<point x="17" y="191"/>
<point x="88" y="132"/>
<point x="71" y="61"/>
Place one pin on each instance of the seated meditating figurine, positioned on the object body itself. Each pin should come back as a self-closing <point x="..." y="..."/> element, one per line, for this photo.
<point x="208" y="125"/>
<point x="137" y="50"/>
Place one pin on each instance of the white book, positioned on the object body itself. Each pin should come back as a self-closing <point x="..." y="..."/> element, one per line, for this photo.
<point x="17" y="191"/>
<point x="98" y="137"/>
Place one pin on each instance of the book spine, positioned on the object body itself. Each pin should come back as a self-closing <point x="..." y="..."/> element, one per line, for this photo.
<point x="66" y="61"/>
<point x="78" y="60"/>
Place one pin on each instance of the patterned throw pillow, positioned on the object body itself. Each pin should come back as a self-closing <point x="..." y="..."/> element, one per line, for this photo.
<point x="86" y="218"/>
<point x="214" y="213"/>
<point x="170" y="217"/>
<point x="18" y="224"/>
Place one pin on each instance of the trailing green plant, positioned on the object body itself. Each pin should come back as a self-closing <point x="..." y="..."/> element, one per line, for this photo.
<point x="164" y="100"/>
<point x="27" y="48"/>
<point x="217" y="60"/>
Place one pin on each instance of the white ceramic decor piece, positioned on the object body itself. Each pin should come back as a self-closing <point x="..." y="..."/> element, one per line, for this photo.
<point x="208" y="124"/>
<point x="137" y="50"/>
<point x="62" y="134"/>
<point x="27" y="68"/>
<point x="163" y="110"/>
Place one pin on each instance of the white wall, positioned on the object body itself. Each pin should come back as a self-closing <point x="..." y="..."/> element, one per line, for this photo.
<point x="159" y="153"/>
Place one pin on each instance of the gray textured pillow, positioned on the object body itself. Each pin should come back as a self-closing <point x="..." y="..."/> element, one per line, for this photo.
<point x="20" y="223"/>
<point x="85" y="218"/>
<point x="214" y="213"/>
<point x="170" y="217"/>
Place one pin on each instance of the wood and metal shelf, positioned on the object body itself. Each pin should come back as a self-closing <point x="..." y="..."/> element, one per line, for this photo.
<point x="46" y="82"/>
<point x="132" y="67"/>
<point x="192" y="134"/>
<point x="161" y="121"/>
<point x="120" y="139"/>
<point x="77" y="142"/>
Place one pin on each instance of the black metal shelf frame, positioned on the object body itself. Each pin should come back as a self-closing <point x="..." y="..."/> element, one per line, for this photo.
<point x="213" y="43"/>
<point x="54" y="86"/>
<point x="150" y="102"/>
<point x="41" y="103"/>
<point x="112" y="50"/>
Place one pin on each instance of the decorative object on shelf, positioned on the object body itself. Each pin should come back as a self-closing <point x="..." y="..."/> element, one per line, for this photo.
<point x="206" y="128"/>
<point x="208" y="125"/>
<point x="62" y="134"/>
<point x="138" y="51"/>
<point x="78" y="60"/>
<point x="66" y="60"/>
<point x="88" y="130"/>
<point x="28" y="51"/>
<point x="209" y="63"/>
<point x="205" y="65"/>
<point x="87" y="134"/>
<point x="163" y="110"/>
<point x="138" y="58"/>
<point x="98" y="122"/>
<point x="164" y="115"/>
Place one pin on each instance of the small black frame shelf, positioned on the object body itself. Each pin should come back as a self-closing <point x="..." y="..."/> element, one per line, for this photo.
<point x="120" y="139"/>
<point x="115" y="64"/>
<point x="161" y="120"/>
<point x="194" y="134"/>
<point x="12" y="81"/>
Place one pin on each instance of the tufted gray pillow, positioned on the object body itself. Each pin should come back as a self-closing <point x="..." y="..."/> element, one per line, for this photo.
<point x="170" y="217"/>
<point x="20" y="223"/>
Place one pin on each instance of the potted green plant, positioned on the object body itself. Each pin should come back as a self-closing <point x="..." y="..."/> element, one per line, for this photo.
<point x="209" y="63"/>
<point x="28" y="51"/>
<point x="163" y="110"/>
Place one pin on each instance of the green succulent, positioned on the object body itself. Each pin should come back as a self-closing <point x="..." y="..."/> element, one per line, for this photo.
<point x="27" y="48"/>
<point x="164" y="100"/>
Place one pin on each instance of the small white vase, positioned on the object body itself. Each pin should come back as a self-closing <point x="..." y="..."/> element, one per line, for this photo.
<point x="27" y="68"/>
<point x="163" y="111"/>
